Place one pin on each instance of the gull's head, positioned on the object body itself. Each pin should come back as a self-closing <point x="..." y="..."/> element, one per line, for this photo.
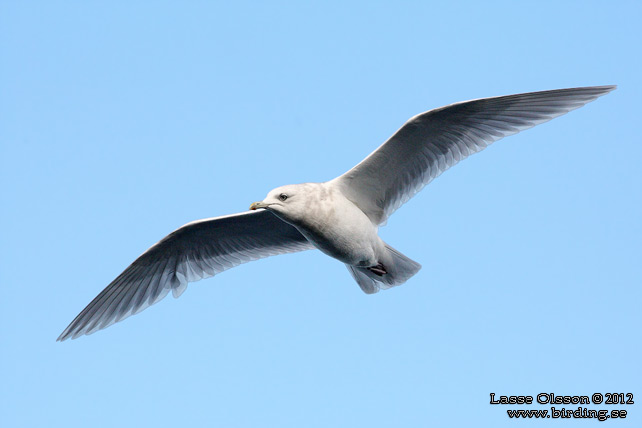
<point x="287" y="202"/>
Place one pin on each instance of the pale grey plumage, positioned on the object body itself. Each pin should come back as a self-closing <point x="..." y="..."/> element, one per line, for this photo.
<point x="339" y="217"/>
<point x="195" y="251"/>
<point x="431" y="142"/>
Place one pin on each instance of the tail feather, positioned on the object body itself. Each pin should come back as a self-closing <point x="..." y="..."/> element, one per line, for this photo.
<point x="398" y="267"/>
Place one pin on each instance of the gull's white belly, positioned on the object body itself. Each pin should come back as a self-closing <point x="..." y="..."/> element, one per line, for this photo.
<point x="341" y="230"/>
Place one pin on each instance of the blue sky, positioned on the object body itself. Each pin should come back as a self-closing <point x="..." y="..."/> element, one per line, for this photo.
<point x="121" y="122"/>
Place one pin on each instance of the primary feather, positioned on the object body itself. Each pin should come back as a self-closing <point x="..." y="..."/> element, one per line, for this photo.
<point x="431" y="142"/>
<point x="195" y="251"/>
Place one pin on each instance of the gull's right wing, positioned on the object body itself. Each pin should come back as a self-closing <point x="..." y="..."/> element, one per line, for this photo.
<point x="431" y="142"/>
<point x="198" y="250"/>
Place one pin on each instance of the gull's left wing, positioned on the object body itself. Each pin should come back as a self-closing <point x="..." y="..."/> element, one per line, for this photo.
<point x="198" y="250"/>
<point x="431" y="142"/>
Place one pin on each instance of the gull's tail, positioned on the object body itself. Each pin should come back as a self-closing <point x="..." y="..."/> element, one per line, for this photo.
<point x="394" y="270"/>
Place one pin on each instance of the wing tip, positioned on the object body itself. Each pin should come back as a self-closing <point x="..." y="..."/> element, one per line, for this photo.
<point x="66" y="334"/>
<point x="601" y="90"/>
<point x="70" y="333"/>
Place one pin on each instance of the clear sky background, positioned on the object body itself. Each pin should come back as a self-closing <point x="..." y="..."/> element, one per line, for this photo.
<point x="121" y="122"/>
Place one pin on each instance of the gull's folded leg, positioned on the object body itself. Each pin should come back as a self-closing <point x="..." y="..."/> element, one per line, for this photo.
<point x="398" y="270"/>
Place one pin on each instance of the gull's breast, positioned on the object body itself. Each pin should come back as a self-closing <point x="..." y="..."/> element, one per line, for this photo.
<point x="341" y="230"/>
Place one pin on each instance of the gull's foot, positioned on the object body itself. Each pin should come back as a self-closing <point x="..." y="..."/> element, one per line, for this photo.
<point x="378" y="270"/>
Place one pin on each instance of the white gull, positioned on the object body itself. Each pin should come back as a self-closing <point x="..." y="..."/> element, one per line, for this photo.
<point x="340" y="217"/>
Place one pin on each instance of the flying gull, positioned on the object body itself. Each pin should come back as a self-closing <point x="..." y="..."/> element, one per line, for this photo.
<point x="340" y="217"/>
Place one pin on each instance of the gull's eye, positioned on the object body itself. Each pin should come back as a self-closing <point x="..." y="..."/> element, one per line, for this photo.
<point x="283" y="196"/>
